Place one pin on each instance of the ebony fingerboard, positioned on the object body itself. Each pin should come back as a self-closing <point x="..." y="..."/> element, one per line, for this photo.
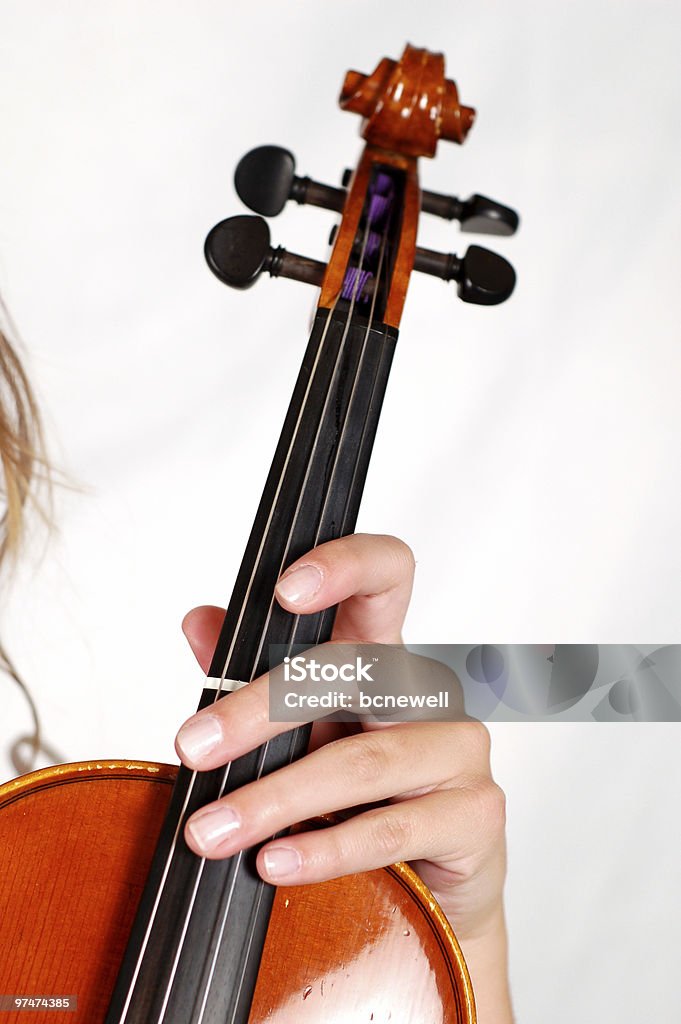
<point x="314" y="486"/>
<point x="216" y="912"/>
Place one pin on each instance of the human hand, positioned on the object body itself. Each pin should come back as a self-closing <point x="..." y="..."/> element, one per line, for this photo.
<point x="440" y="809"/>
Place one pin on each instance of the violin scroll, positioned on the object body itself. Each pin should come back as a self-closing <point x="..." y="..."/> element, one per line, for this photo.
<point x="408" y="105"/>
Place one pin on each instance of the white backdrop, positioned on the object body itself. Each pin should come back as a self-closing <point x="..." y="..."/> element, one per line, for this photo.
<point x="535" y="473"/>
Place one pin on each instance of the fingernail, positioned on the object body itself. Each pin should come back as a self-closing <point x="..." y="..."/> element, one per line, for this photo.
<point x="301" y="585"/>
<point x="198" y="737"/>
<point x="281" y="861"/>
<point x="210" y="827"/>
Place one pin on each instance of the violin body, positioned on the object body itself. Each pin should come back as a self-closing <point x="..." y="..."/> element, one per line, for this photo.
<point x="76" y="842"/>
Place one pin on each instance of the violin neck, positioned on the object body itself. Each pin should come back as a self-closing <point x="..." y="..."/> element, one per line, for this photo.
<point x="314" y="487"/>
<point x="198" y="937"/>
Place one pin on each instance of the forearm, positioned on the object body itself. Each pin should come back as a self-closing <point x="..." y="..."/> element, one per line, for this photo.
<point x="486" y="955"/>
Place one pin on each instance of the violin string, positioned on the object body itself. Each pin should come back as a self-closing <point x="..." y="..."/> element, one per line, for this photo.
<point x="337" y="364"/>
<point x="265" y="534"/>
<point x="291" y="641"/>
<point x="219" y="691"/>
<point x="194" y="775"/>
<point x="225" y="777"/>
<point x="261" y="884"/>
<point x="379" y="270"/>
<point x="357" y="283"/>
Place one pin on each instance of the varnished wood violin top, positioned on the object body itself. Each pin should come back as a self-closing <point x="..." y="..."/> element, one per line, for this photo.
<point x="75" y="848"/>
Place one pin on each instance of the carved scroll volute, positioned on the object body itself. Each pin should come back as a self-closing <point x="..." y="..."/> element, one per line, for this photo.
<point x="408" y="104"/>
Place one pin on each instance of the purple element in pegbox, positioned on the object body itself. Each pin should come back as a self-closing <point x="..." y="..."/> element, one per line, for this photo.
<point x="354" y="282"/>
<point x="373" y="244"/>
<point x="381" y="193"/>
<point x="380" y="197"/>
<point x="378" y="208"/>
<point x="382" y="183"/>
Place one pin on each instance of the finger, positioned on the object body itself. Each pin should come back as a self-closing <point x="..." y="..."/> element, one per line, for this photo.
<point x="202" y="628"/>
<point x="369" y="576"/>
<point x="455" y="827"/>
<point x="364" y="572"/>
<point x="228" y="728"/>
<point x="406" y="760"/>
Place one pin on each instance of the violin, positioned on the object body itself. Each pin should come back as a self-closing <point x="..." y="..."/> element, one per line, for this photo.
<point x="106" y="913"/>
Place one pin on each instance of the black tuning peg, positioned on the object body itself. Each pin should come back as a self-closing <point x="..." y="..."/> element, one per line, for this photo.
<point x="477" y="213"/>
<point x="483" y="277"/>
<point x="265" y="180"/>
<point x="238" y="250"/>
